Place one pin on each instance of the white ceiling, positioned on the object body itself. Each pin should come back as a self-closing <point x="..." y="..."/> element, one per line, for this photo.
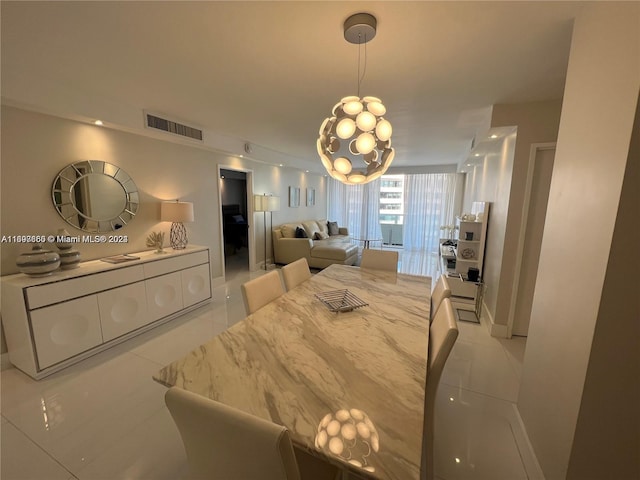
<point x="270" y="72"/>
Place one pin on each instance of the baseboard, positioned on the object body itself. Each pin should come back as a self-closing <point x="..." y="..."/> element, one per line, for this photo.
<point x="495" y="330"/>
<point x="5" y="364"/>
<point x="527" y="453"/>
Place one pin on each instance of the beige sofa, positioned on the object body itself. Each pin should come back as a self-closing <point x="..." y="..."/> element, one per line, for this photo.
<point x="320" y="253"/>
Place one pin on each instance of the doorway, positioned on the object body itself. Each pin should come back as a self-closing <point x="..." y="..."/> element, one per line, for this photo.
<point x="235" y="225"/>
<point x="538" y="185"/>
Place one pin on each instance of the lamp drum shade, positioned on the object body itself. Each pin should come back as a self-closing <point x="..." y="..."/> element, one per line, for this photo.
<point x="177" y="212"/>
<point x="266" y="203"/>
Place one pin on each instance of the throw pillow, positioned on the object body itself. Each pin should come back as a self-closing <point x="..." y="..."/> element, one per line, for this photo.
<point x="322" y="225"/>
<point x="333" y="228"/>
<point x="311" y="227"/>
<point x="289" y="230"/>
<point x="300" y="233"/>
<point x="320" y="236"/>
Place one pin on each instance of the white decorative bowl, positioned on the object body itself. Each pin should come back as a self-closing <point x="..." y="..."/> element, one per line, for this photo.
<point x="38" y="262"/>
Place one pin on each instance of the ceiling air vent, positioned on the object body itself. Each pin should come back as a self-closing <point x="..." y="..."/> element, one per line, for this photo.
<point x="159" y="123"/>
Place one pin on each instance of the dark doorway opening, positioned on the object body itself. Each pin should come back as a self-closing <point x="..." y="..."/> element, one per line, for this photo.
<point x="234" y="219"/>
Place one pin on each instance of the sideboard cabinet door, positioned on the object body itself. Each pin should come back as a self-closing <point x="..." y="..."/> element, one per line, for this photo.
<point x="164" y="295"/>
<point x="196" y="284"/>
<point x="66" y="329"/>
<point x="123" y="310"/>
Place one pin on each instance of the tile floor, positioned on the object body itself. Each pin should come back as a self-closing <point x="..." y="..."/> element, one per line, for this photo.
<point x="105" y="418"/>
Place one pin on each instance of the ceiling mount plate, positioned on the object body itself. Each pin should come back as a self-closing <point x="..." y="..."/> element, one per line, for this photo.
<point x="360" y="28"/>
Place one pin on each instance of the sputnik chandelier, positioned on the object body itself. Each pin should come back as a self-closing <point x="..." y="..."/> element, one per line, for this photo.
<point x="357" y="127"/>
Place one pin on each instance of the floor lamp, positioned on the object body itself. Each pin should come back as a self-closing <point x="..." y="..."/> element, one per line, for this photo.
<point x="266" y="203"/>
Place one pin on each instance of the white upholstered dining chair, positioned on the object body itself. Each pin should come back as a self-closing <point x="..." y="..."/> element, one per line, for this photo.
<point x="224" y="443"/>
<point x="295" y="273"/>
<point x="443" y="333"/>
<point x="441" y="290"/>
<point x="258" y="292"/>
<point x="379" y="260"/>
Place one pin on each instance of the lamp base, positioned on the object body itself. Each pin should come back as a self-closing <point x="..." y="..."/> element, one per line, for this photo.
<point x="178" y="236"/>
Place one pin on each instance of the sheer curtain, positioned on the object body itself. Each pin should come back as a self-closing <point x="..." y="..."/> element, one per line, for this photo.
<point x="356" y="207"/>
<point x="429" y="203"/>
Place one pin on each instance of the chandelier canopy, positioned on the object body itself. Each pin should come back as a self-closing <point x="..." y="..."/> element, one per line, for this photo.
<point x="356" y="127"/>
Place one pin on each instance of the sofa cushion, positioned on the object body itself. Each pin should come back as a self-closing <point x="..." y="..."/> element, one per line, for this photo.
<point x="321" y="236"/>
<point x="311" y="227"/>
<point x="333" y="228"/>
<point x="332" y="252"/>
<point x="323" y="226"/>
<point x="300" y="233"/>
<point x="289" y="230"/>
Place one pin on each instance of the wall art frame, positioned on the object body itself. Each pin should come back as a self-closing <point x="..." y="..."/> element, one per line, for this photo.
<point x="294" y="197"/>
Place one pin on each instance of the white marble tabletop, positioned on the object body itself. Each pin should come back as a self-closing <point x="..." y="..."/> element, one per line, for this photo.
<point x="349" y="386"/>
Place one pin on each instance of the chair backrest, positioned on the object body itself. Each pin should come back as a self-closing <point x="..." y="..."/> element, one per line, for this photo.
<point x="443" y="333"/>
<point x="258" y="292"/>
<point x="295" y="273"/>
<point x="379" y="260"/>
<point x="441" y="290"/>
<point x="224" y="443"/>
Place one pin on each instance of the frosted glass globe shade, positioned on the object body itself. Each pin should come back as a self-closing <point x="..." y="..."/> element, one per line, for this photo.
<point x="357" y="178"/>
<point x="376" y="108"/>
<point x="339" y="176"/>
<point x="383" y="130"/>
<point x="352" y="108"/>
<point x="342" y="165"/>
<point x="366" y="121"/>
<point x="345" y="128"/>
<point x="365" y="143"/>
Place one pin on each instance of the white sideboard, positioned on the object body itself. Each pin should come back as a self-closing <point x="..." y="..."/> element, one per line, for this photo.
<point x="54" y="321"/>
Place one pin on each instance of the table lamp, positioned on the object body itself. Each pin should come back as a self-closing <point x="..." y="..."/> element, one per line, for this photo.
<point x="266" y="203"/>
<point x="177" y="213"/>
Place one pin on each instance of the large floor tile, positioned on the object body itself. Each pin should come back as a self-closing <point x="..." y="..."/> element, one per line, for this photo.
<point x="73" y="418"/>
<point x="152" y="450"/>
<point x="474" y="437"/>
<point x="483" y="369"/>
<point x="514" y="348"/>
<point x="176" y="341"/>
<point x="22" y="459"/>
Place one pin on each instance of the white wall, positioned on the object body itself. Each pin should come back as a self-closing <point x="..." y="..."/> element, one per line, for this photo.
<point x="592" y="152"/>
<point x="607" y="439"/>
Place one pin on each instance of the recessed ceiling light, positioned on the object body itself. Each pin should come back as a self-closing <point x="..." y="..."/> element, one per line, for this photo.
<point x="477" y="155"/>
<point x="468" y="164"/>
<point x="98" y="122"/>
<point x="494" y="136"/>
<point x="241" y="156"/>
<point x="281" y="164"/>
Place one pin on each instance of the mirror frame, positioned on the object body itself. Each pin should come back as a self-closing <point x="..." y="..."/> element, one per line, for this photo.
<point x="63" y="196"/>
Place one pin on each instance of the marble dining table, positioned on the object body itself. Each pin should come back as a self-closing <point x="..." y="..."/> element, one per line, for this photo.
<point x="350" y="386"/>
